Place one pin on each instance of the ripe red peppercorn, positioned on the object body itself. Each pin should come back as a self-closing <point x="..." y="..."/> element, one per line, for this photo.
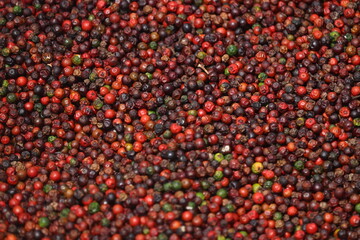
<point x="5" y="140"/>
<point x="292" y="211"/>
<point x="29" y="106"/>
<point x="117" y="208"/>
<point x="91" y="95"/>
<point x="151" y="116"/>
<point x="258" y="198"/>
<point x="304" y="76"/>
<point x="32" y="172"/>
<point x="109" y="98"/>
<point x="21" y="81"/>
<point x="55" y="176"/>
<point x="311" y="228"/>
<point x="328" y="217"/>
<point x="233" y="69"/>
<point x="175" y="128"/>
<point x="299" y="234"/>
<point x="110" y="113"/>
<point x="355" y="221"/>
<point x="86" y="25"/>
<point x="187" y="216"/>
<point x="277" y="188"/>
<point x="134" y="221"/>
<point x="355" y="91"/>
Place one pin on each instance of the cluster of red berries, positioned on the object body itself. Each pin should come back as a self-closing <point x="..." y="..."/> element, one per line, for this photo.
<point x="179" y="119"/>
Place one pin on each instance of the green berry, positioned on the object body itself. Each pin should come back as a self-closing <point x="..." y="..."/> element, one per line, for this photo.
<point x="356" y="122"/>
<point x="299" y="165"/>
<point x="218" y="175"/>
<point x="38" y="107"/>
<point x="219" y="157"/>
<point x="192" y="112"/>
<point x="47" y="188"/>
<point x="149" y="75"/>
<point x="98" y="104"/>
<point x="262" y="76"/>
<point x="105" y="222"/>
<point x="76" y="59"/>
<point x="162" y="236"/>
<point x="44" y="222"/>
<point x="167" y="207"/>
<point x="257" y="167"/>
<point x="256" y="187"/>
<point x="73" y="162"/>
<point x="167" y="187"/>
<point x="11" y="98"/>
<point x="65" y="212"/>
<point x="231" y="50"/>
<point x="17" y="10"/>
<point x="357" y="208"/>
<point x="205" y="184"/>
<point x="153" y="45"/>
<point x="2" y="21"/>
<point x="146" y="231"/>
<point x="191" y="206"/>
<point x="3" y="91"/>
<point x="222" y="193"/>
<point x="200" y="195"/>
<point x="94" y="207"/>
<point x="334" y="35"/>
<point x="300" y="122"/>
<point x="51" y="138"/>
<point x="277" y="216"/>
<point x="176" y="185"/>
<point x="230" y="207"/>
<point x="221" y="237"/>
<point x="244" y="233"/>
<point x="5" y="83"/>
<point x="348" y="36"/>
<point x="5" y="52"/>
<point x="95" y="43"/>
<point x="268" y="184"/>
<point x="167" y="134"/>
<point x="201" y="55"/>
<point x="282" y="60"/>
<point x="91" y="17"/>
<point x="103" y="187"/>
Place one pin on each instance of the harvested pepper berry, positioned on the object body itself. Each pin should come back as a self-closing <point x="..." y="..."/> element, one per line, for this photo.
<point x="231" y="50"/>
<point x="94" y="207"/>
<point x="44" y="222"/>
<point x="257" y="167"/>
<point x="179" y="119"/>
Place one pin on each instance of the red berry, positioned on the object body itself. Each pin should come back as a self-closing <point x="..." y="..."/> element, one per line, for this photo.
<point x="86" y="25"/>
<point x="355" y="221"/>
<point x="21" y="81"/>
<point x="175" y="128"/>
<point x="134" y="221"/>
<point x="258" y="198"/>
<point x="32" y="172"/>
<point x="311" y="228"/>
<point x="187" y="216"/>
<point x="109" y="98"/>
<point x="55" y="176"/>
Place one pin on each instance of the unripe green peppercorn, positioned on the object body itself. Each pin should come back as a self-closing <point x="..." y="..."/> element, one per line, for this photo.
<point x="94" y="207"/>
<point x="231" y="50"/>
<point x="44" y="222"/>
